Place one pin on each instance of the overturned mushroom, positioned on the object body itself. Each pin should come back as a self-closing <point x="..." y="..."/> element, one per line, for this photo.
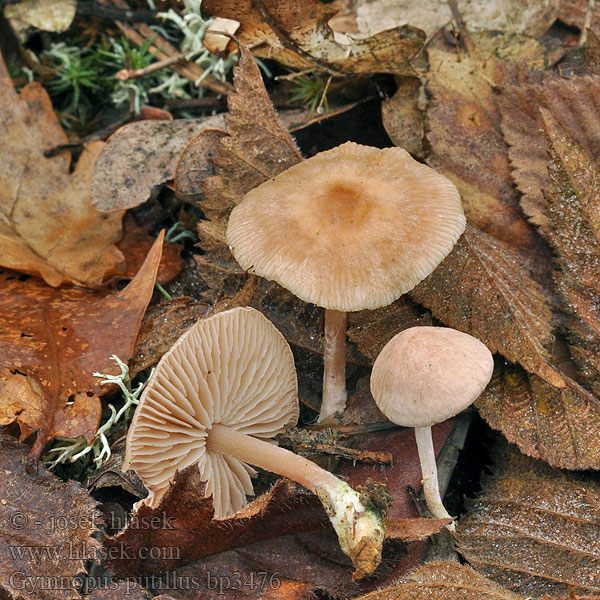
<point x="226" y="387"/>
<point x="349" y="229"/>
<point x="423" y="376"/>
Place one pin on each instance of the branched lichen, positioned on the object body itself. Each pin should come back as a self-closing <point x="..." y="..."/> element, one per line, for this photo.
<point x="75" y="449"/>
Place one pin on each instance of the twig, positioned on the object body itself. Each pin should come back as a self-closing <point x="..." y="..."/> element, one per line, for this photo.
<point x="587" y="23"/>
<point x="366" y="456"/>
<point x="163" y="50"/>
<point x="323" y="95"/>
<point x="460" y="24"/>
<point x="125" y="74"/>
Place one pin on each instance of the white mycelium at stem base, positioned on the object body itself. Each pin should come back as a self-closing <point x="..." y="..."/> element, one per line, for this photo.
<point x="423" y="376"/>
<point x="226" y="387"/>
<point x="360" y="531"/>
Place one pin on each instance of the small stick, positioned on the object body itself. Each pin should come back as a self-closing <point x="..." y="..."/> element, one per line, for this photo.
<point x="125" y="74"/>
<point x="587" y="23"/>
<point x="366" y="456"/>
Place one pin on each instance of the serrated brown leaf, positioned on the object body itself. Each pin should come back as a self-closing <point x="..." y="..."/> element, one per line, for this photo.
<point x="138" y="157"/>
<point x="297" y="34"/>
<point x="371" y="330"/>
<point x="481" y="288"/>
<point x="184" y="522"/>
<point x="46" y="529"/>
<point x="443" y="581"/>
<point x="573" y="212"/>
<point x="48" y="226"/>
<point x="256" y="148"/>
<point x="560" y="426"/>
<point x="467" y="145"/>
<point x="533" y="529"/>
<point x="53" y="340"/>
<point x="574" y="102"/>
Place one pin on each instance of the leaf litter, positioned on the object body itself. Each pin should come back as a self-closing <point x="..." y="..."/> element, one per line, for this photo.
<point x="499" y="284"/>
<point x="37" y="193"/>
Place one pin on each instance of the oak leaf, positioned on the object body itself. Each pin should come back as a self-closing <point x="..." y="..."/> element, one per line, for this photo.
<point x="53" y="340"/>
<point x="534" y="529"/>
<point x="48" y="226"/>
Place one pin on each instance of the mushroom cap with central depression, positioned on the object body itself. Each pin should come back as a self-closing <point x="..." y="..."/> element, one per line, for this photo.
<point x="233" y="369"/>
<point x="349" y="229"/>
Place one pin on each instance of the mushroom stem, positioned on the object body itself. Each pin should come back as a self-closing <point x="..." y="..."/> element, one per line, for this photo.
<point x="430" y="476"/>
<point x="334" y="356"/>
<point x="360" y="530"/>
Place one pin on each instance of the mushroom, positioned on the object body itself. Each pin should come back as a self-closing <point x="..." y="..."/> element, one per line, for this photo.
<point x="349" y="229"/>
<point x="216" y="399"/>
<point x="423" y="376"/>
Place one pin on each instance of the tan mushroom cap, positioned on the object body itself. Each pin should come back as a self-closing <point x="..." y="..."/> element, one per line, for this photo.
<point x="425" y="375"/>
<point x="350" y="228"/>
<point x="233" y="369"/>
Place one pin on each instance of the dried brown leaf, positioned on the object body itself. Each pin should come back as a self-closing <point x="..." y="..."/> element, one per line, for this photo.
<point x="467" y="145"/>
<point x="403" y="118"/>
<point x="533" y="19"/>
<point x="256" y="148"/>
<point x="183" y="522"/>
<point x="48" y="15"/>
<point x="371" y="330"/>
<point x="140" y="156"/>
<point x="534" y="530"/>
<point x="46" y="529"/>
<point x="560" y="426"/>
<point x="573" y="212"/>
<point x="574" y="102"/>
<point x="53" y="340"/>
<point x="292" y="567"/>
<point x="298" y="35"/>
<point x="442" y="581"/>
<point x="135" y="245"/>
<point x="48" y="226"/>
<point x="162" y="325"/>
<point x="481" y="289"/>
<point x="573" y="12"/>
<point x="117" y="590"/>
<point x="413" y="530"/>
<point x="195" y="166"/>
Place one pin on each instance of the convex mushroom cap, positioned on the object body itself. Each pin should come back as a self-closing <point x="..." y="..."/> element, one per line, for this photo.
<point x="425" y="375"/>
<point x="233" y="369"/>
<point x="349" y="229"/>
